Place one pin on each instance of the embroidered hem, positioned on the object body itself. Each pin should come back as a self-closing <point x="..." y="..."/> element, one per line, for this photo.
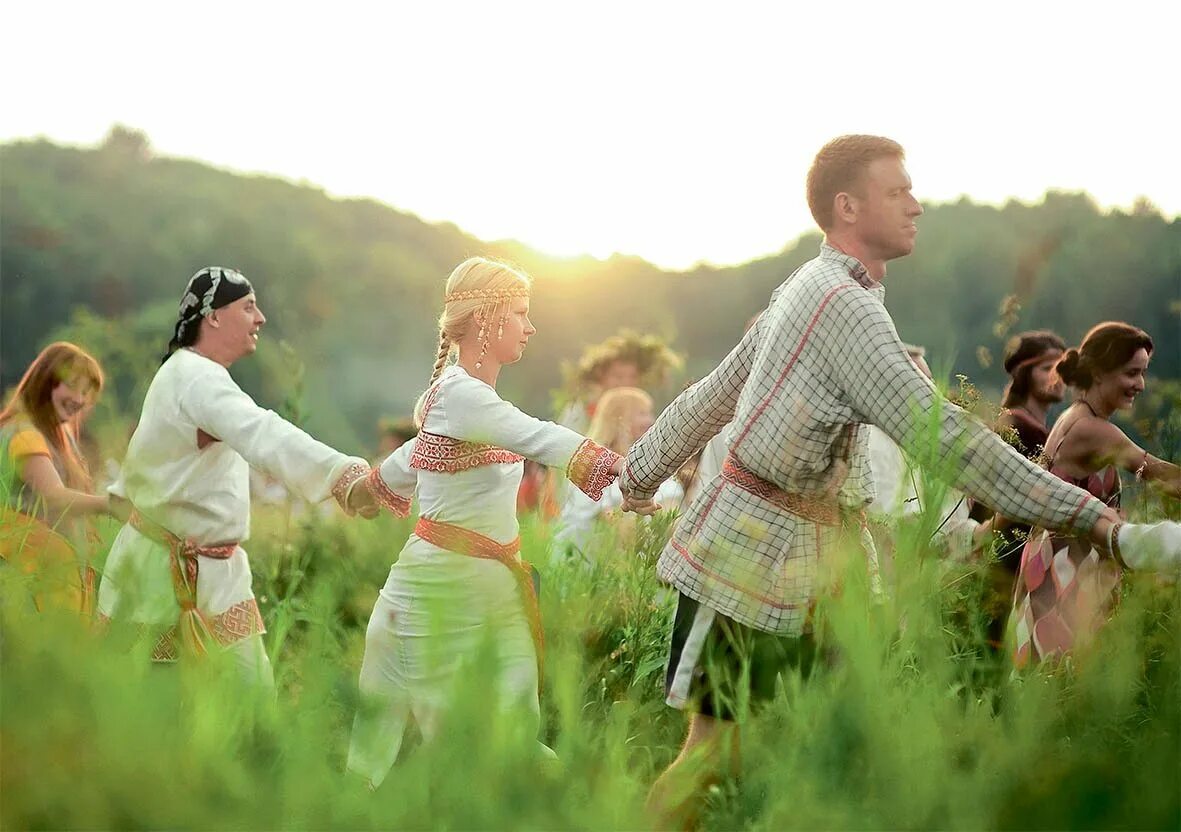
<point x="340" y="489"/>
<point x="445" y="455"/>
<point x="240" y="621"/>
<point x="590" y="469"/>
<point x="386" y="497"/>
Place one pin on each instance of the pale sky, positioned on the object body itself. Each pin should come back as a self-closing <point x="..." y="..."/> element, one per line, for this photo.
<point x="679" y="132"/>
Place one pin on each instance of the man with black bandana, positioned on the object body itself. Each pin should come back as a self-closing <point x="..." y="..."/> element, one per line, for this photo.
<point x="177" y="568"/>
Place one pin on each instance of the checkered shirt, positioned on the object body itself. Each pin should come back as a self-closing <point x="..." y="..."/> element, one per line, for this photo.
<point x="822" y="360"/>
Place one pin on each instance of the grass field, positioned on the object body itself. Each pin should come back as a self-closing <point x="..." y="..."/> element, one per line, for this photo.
<point x="910" y="722"/>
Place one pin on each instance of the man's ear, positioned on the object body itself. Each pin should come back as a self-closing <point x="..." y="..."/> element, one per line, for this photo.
<point x="844" y="207"/>
<point x="213" y="321"/>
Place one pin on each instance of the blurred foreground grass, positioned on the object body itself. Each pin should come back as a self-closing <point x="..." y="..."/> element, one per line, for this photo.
<point x="911" y="723"/>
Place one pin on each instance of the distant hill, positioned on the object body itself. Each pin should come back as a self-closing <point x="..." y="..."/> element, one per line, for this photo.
<point x="354" y="286"/>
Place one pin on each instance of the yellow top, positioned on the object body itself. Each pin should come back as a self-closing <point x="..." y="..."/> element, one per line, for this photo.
<point x="27" y="442"/>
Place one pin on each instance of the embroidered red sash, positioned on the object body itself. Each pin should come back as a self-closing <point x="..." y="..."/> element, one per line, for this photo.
<point x="820" y="509"/>
<point x="195" y="632"/>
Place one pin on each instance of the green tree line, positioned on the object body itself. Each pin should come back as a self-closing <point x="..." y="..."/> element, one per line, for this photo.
<point x="97" y="243"/>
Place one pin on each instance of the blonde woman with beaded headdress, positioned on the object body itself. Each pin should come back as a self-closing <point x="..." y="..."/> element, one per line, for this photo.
<point x="459" y="582"/>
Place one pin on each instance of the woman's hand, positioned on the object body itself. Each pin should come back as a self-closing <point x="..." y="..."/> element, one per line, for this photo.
<point x="119" y="508"/>
<point x="360" y="500"/>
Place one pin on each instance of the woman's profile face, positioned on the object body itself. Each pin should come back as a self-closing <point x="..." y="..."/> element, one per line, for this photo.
<point x="1120" y="387"/>
<point x="70" y="397"/>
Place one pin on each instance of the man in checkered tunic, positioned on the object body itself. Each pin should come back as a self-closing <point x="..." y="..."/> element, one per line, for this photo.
<point x="822" y="361"/>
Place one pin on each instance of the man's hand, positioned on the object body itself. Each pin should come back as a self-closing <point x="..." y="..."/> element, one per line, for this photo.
<point x="1101" y="532"/>
<point x="636" y="505"/>
<point x="640" y="506"/>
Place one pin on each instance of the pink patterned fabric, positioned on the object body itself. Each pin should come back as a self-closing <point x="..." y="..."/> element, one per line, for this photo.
<point x="1065" y="587"/>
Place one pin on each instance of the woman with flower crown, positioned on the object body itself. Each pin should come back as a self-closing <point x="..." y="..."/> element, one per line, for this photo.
<point x="459" y="583"/>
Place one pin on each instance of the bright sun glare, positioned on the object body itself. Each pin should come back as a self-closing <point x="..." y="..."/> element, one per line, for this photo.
<point x="674" y="133"/>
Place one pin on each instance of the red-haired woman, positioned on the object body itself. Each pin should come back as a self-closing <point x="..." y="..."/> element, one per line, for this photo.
<point x="1065" y="587"/>
<point x="44" y="483"/>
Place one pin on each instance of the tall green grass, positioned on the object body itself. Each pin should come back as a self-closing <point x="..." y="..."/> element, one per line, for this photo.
<point x="909" y="722"/>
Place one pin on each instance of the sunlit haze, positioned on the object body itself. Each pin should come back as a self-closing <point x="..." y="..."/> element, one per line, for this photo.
<point x="677" y="132"/>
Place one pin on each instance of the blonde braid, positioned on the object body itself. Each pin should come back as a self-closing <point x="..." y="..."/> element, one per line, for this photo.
<point x="440" y="363"/>
<point x="441" y="359"/>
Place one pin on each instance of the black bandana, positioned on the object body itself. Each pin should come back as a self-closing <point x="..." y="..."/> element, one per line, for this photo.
<point x="211" y="288"/>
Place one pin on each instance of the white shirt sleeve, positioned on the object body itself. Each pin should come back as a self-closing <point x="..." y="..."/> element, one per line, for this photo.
<point x="1151" y="547"/>
<point x="216" y="405"/>
<point x="473" y="412"/>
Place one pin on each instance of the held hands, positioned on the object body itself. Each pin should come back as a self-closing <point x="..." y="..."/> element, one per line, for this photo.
<point x="1101" y="532"/>
<point x="360" y="500"/>
<point x="637" y="505"/>
<point x="118" y="508"/>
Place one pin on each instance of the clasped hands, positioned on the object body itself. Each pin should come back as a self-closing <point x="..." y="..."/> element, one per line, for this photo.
<point x="638" y="505"/>
<point x="359" y="499"/>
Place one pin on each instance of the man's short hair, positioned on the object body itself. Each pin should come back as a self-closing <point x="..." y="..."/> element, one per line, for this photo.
<point x="838" y="166"/>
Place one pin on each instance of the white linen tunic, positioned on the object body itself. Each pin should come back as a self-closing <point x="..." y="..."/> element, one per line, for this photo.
<point x="439" y="609"/>
<point x="187" y="470"/>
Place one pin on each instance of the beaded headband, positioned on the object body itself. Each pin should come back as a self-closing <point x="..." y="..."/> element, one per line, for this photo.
<point x="488" y="294"/>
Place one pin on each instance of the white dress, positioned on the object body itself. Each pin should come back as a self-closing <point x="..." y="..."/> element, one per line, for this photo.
<point x="438" y="609"/>
<point x="187" y="470"/>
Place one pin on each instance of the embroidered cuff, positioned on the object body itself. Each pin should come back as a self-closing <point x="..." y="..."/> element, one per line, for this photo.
<point x="590" y="469"/>
<point x="386" y="497"/>
<point x="340" y="489"/>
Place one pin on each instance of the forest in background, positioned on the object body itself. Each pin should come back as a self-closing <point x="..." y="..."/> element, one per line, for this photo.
<point x="97" y="243"/>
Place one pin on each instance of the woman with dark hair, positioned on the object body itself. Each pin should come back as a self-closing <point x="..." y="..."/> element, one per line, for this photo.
<point x="44" y="482"/>
<point x="1065" y="586"/>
